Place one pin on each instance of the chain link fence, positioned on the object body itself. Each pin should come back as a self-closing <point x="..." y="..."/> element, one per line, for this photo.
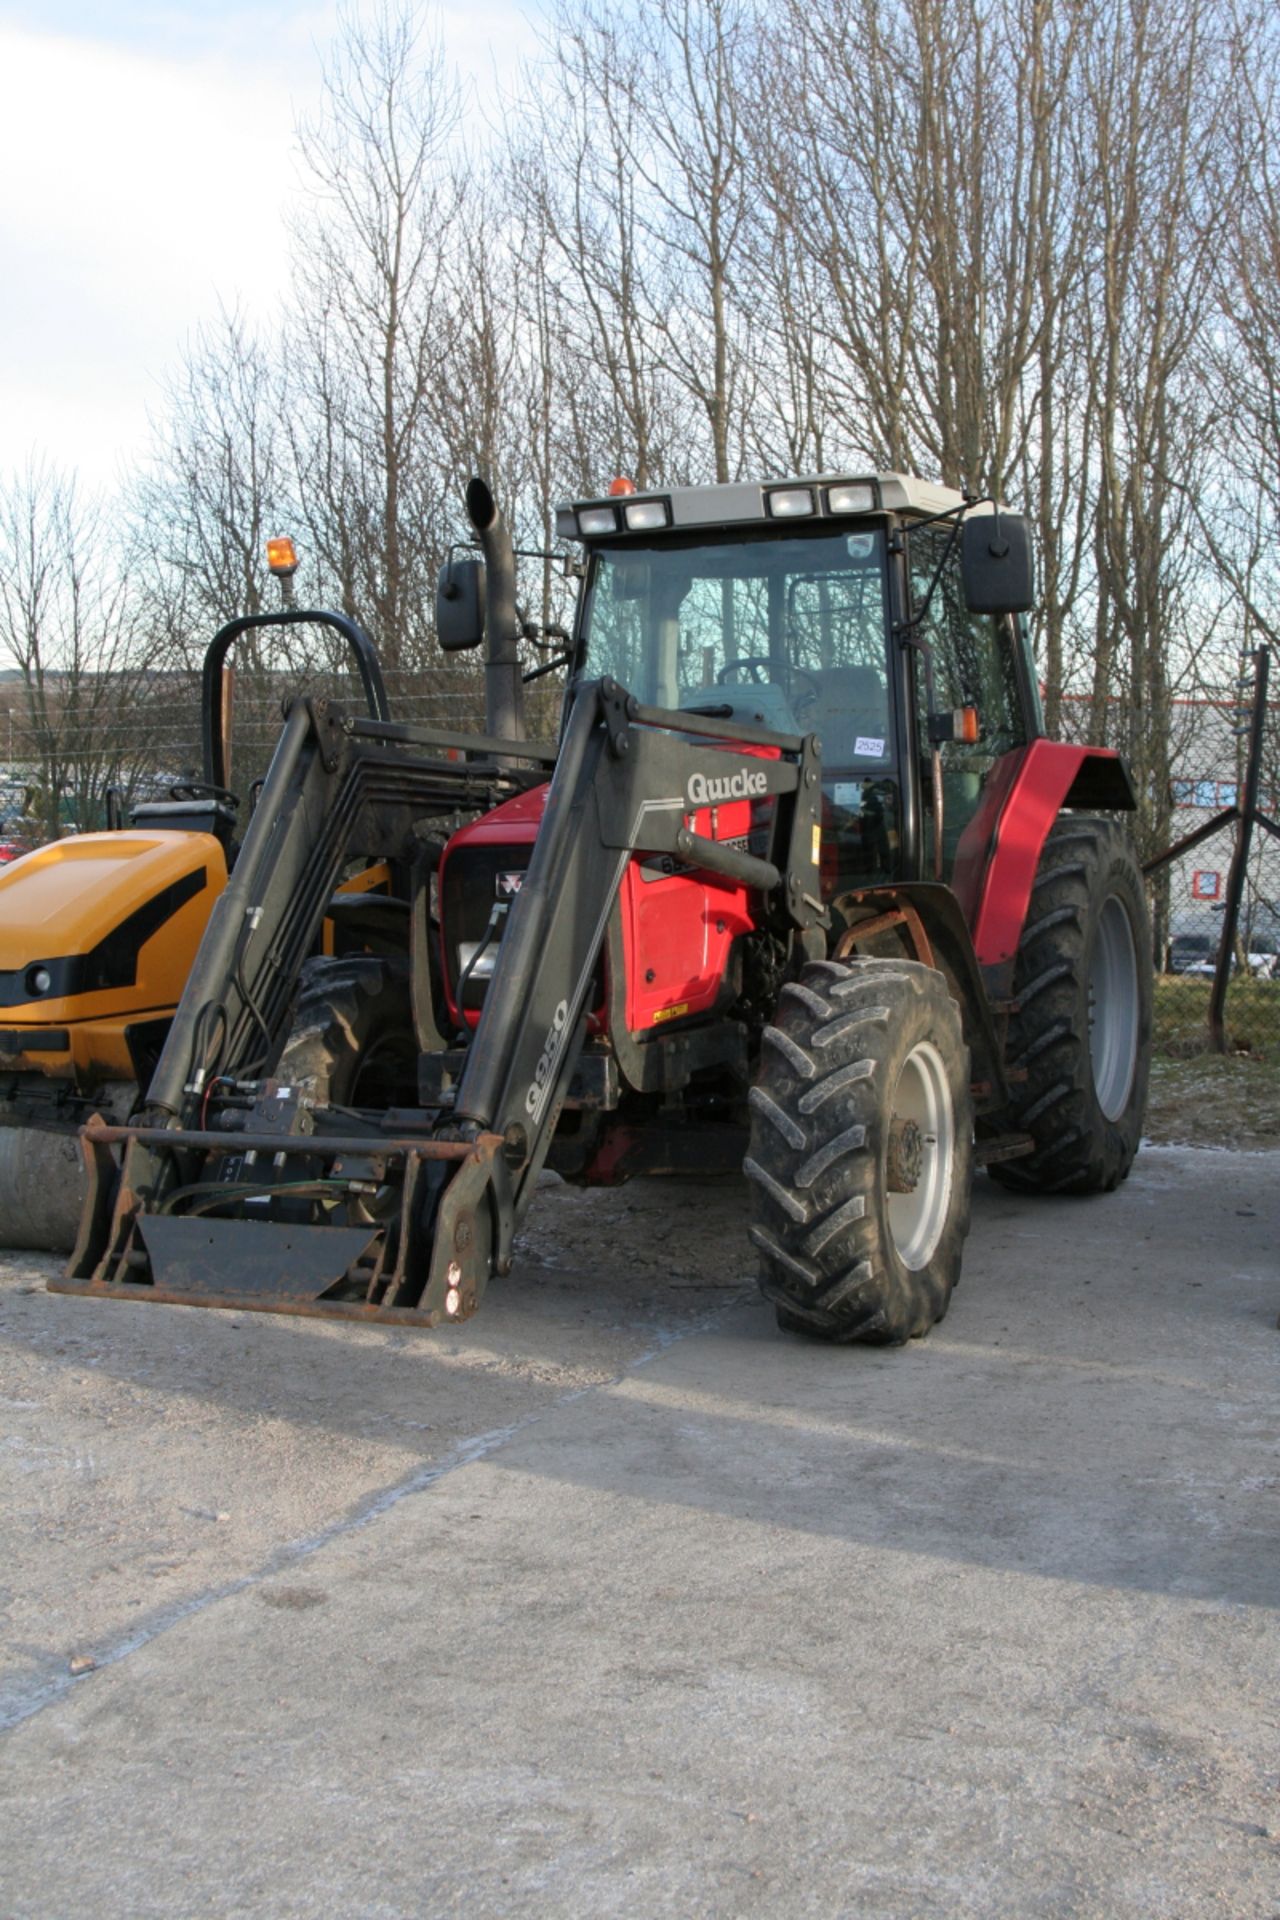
<point x="1215" y="891"/>
<point x="1187" y="964"/>
<point x="151" y="738"/>
<point x="62" y="758"/>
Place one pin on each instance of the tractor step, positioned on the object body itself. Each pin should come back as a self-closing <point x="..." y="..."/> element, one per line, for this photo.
<point x="1004" y="1146"/>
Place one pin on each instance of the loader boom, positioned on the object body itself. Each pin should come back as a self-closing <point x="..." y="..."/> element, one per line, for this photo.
<point x="453" y="1181"/>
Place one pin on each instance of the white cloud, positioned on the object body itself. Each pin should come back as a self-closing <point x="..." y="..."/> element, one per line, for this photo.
<point x="134" y="191"/>
<point x="138" y="190"/>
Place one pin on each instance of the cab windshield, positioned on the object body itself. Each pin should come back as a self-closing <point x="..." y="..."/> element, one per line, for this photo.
<point x="787" y="630"/>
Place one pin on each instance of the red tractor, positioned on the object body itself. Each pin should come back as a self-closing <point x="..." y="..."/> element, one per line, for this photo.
<point x="801" y="887"/>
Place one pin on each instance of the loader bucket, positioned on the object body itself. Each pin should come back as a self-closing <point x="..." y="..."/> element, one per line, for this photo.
<point x="425" y="1265"/>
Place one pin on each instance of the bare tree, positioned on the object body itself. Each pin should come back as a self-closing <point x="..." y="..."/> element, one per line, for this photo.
<point x="1152" y="96"/>
<point x="576" y="192"/>
<point x="1239" y="517"/>
<point x="68" y="625"/>
<point x="369" y="325"/>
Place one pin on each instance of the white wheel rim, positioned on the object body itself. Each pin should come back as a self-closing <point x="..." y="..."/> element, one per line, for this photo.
<point x="916" y="1219"/>
<point x="1113" y="1008"/>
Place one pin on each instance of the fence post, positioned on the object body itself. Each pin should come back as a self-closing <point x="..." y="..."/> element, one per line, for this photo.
<point x="1240" y="854"/>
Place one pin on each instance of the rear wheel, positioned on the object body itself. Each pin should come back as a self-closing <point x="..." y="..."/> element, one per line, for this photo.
<point x="861" y="1149"/>
<point x="1082" y="1029"/>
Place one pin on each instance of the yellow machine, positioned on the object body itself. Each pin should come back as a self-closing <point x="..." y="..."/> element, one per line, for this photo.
<point x="97" y="935"/>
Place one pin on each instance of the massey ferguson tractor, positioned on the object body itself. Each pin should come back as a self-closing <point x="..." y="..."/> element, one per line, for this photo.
<point x="801" y="888"/>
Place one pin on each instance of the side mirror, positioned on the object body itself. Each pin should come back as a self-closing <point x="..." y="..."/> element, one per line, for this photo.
<point x="996" y="573"/>
<point x="460" y="605"/>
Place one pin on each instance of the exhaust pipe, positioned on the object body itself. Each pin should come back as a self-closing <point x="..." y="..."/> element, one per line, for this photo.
<point x="503" y="684"/>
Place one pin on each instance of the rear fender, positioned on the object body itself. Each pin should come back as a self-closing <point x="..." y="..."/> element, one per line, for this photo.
<point x="999" y="850"/>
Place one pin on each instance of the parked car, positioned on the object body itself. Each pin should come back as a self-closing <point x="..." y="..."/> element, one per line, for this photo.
<point x="1262" y="966"/>
<point x="1189" y="952"/>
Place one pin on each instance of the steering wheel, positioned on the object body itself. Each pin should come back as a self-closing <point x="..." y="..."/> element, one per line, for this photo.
<point x="760" y="664"/>
<point x="204" y="790"/>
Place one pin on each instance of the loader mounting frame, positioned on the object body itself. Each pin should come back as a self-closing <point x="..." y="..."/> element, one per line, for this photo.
<point x="453" y="1182"/>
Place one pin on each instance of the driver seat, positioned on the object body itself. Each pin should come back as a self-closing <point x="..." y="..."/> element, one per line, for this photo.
<point x="854" y="706"/>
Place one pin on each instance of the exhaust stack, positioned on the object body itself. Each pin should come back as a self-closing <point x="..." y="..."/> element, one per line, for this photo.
<point x="503" y="685"/>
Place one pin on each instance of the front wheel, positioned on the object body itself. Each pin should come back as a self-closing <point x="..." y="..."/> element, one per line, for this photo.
<point x="861" y="1151"/>
<point x="352" y="1042"/>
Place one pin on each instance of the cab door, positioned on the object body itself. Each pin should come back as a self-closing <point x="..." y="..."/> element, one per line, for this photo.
<point x="974" y="665"/>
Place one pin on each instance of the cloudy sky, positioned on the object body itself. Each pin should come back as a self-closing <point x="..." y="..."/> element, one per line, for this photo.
<point x="146" y="157"/>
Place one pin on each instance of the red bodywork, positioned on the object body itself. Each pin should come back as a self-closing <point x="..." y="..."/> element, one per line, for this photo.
<point x="999" y="850"/>
<point x="678" y="925"/>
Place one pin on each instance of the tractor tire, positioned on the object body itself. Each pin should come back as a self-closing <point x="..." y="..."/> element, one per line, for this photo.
<point x="1082" y="1028"/>
<point x="861" y="1151"/>
<point x="352" y="1041"/>
<point x="42" y="1187"/>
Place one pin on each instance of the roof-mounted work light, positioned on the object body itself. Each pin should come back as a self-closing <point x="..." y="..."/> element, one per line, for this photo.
<point x="642" y="516"/>
<point x="789" y="503"/>
<point x="593" y="520"/>
<point x="859" y="499"/>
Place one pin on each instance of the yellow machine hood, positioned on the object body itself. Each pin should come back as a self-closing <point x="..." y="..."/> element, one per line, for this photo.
<point x="104" y="923"/>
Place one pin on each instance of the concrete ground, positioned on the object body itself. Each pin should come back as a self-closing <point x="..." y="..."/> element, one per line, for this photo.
<point x="619" y="1602"/>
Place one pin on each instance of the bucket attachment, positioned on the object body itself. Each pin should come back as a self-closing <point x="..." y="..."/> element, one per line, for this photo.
<point x="146" y="1235"/>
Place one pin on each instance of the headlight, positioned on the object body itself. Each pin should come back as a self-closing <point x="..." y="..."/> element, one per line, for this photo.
<point x="861" y="499"/>
<point x="789" y="503"/>
<point x="641" y="515"/>
<point x="598" y="520"/>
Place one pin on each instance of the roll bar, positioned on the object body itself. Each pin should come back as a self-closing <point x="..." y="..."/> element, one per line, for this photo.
<point x="367" y="664"/>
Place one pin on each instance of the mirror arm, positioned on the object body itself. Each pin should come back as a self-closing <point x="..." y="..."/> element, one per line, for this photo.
<point x="548" y="666"/>
<point x="907" y="627"/>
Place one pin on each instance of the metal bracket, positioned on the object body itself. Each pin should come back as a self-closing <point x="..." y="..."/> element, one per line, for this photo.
<point x="615" y="703"/>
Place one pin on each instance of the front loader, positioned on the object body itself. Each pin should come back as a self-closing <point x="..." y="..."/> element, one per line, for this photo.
<point x="801" y="888"/>
<point x="98" y="932"/>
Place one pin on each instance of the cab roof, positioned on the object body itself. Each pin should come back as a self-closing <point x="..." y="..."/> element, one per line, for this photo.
<point x="832" y="495"/>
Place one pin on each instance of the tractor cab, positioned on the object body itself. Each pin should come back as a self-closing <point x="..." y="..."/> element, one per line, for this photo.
<point x="874" y="612"/>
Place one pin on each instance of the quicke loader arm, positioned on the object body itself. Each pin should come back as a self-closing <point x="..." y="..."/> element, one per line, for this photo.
<point x="452" y="1182"/>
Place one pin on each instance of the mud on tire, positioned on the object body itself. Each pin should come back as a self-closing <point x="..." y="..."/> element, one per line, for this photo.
<point x="1082" y="1029"/>
<point x="863" y="1084"/>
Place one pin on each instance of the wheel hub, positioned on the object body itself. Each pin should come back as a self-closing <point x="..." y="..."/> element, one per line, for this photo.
<point x="1113" y="1008"/>
<point x="906" y="1156"/>
<point x="920" y="1154"/>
